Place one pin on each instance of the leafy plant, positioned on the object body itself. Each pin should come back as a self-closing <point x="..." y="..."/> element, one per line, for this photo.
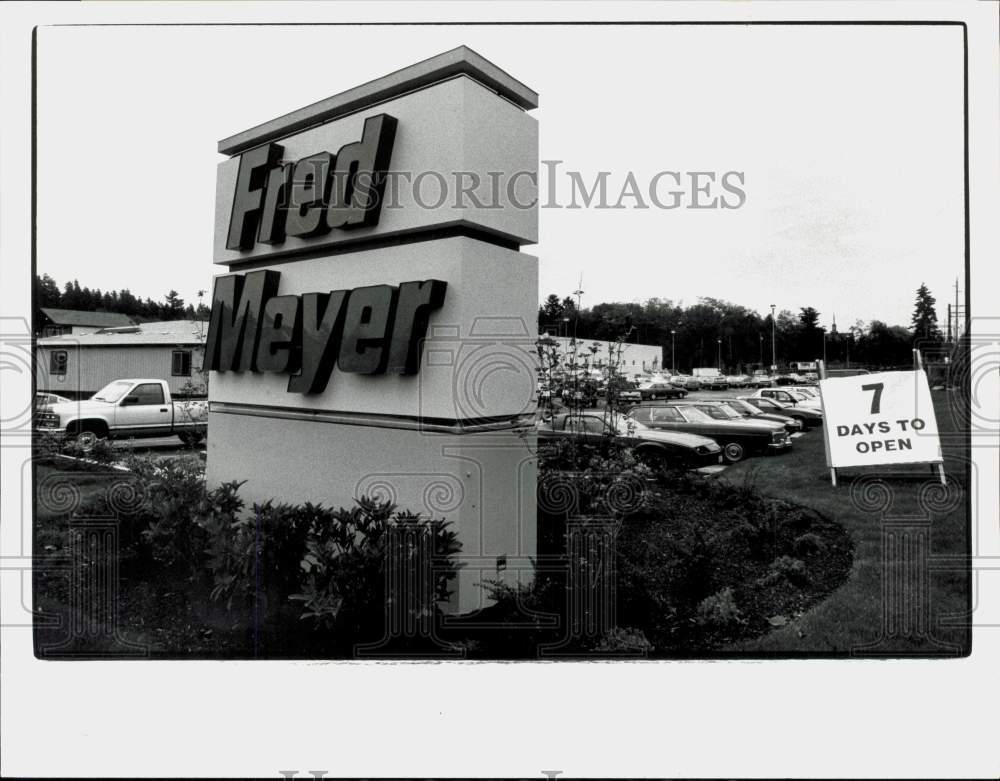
<point x="719" y="610"/>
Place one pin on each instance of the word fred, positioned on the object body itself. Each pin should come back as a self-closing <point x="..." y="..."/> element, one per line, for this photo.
<point x="313" y="196"/>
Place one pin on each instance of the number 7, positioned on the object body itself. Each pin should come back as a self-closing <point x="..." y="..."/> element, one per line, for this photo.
<point x="877" y="398"/>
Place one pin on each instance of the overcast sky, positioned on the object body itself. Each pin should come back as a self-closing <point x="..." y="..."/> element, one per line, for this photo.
<point x="849" y="138"/>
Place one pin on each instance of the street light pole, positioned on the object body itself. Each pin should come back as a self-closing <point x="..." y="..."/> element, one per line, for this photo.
<point x="761" y="350"/>
<point x="824" y="345"/>
<point x="774" y="358"/>
<point x="673" y="354"/>
<point x="720" y="354"/>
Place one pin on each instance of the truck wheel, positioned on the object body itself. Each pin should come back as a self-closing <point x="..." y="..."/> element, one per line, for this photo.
<point x="86" y="440"/>
<point x="733" y="452"/>
<point x="189" y="439"/>
<point x="87" y="437"/>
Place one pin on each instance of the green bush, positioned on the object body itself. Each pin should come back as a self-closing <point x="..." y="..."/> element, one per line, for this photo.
<point x="719" y="610"/>
<point x="287" y="563"/>
<point x="47" y="444"/>
<point x="625" y="640"/>
<point x="792" y="569"/>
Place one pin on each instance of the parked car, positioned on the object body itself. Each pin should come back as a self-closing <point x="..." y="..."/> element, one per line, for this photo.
<point x="580" y="395"/>
<point x="736" y="437"/>
<point x="657" y="448"/>
<point x="133" y="408"/>
<point x="659" y="389"/>
<point x="623" y="390"/>
<point x="737" y="380"/>
<point x="761" y="381"/>
<point x="747" y="410"/>
<point x="810" y="417"/>
<point x="809" y="390"/>
<point x="686" y="381"/>
<point x="789" y="396"/>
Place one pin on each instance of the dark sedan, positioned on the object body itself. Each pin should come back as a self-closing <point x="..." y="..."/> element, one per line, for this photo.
<point x="809" y="416"/>
<point x="746" y="410"/>
<point x="656" y="448"/>
<point x="658" y="389"/>
<point x="738" y="438"/>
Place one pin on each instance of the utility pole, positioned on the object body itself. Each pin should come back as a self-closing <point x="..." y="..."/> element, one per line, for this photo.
<point x="774" y="359"/>
<point x="720" y="355"/>
<point x="673" y="354"/>
<point x="956" y="309"/>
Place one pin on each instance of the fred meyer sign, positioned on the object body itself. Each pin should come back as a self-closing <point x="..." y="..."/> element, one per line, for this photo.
<point x="876" y="419"/>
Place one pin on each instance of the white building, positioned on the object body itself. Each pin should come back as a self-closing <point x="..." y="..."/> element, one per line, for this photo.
<point x="79" y="365"/>
<point x="632" y="359"/>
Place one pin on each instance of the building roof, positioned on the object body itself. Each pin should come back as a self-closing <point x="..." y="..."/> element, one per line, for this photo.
<point x="85" y="318"/>
<point x="168" y="332"/>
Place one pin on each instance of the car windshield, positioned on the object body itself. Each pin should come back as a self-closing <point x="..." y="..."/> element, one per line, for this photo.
<point x="112" y="391"/>
<point x="627" y="426"/>
<point x="718" y="412"/>
<point x="742" y="407"/>
<point x="694" y="414"/>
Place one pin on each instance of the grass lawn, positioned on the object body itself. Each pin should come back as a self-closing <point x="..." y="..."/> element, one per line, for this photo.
<point x="923" y="612"/>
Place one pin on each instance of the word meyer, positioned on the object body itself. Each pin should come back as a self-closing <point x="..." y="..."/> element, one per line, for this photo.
<point x="313" y="195"/>
<point x="882" y="427"/>
<point x="368" y="330"/>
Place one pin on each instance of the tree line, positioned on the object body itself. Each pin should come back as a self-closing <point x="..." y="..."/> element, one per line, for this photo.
<point x="48" y="294"/>
<point x="714" y="332"/>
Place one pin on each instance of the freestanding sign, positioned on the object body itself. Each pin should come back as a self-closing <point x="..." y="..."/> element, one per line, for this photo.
<point x="374" y="334"/>
<point x="879" y="419"/>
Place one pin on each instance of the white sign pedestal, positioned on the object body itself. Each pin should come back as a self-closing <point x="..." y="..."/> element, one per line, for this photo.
<point x="446" y="438"/>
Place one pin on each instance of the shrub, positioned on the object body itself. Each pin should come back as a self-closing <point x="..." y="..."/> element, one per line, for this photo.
<point x="807" y="544"/>
<point x="719" y="610"/>
<point x="793" y="570"/>
<point x="47" y="444"/>
<point x="625" y="640"/>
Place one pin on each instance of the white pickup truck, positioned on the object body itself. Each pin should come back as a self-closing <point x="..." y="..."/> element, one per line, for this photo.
<point x="126" y="408"/>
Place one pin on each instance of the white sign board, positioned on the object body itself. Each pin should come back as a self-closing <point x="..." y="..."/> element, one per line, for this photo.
<point x="875" y="419"/>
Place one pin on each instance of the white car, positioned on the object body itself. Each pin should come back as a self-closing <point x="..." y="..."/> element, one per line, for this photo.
<point x="790" y="395"/>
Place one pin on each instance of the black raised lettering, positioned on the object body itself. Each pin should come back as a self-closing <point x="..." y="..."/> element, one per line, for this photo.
<point x="233" y="331"/>
<point x="359" y="175"/>
<point x="365" y="346"/>
<point x="322" y="328"/>
<point x="309" y="194"/>
<point x="251" y="180"/>
<point x="416" y="301"/>
<point x="279" y="347"/>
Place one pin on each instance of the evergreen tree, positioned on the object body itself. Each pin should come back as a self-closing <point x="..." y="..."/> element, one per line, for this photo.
<point x="924" y="324"/>
<point x="173" y="308"/>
